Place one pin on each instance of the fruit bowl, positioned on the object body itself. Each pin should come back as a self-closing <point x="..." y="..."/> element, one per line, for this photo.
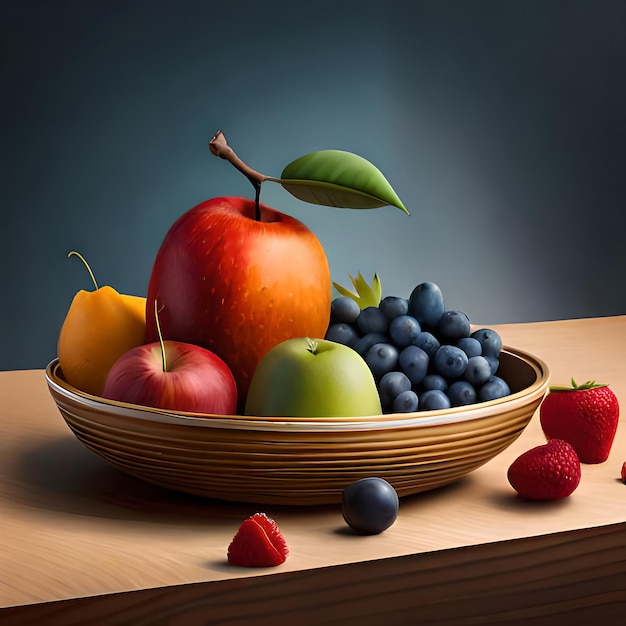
<point x="304" y="461"/>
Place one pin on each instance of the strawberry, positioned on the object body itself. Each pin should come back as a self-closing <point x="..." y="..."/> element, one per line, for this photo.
<point x="624" y="472"/>
<point x="547" y="472"/>
<point x="584" y="415"/>
<point x="258" y="543"/>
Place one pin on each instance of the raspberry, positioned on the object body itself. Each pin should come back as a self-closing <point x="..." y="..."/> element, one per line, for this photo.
<point x="258" y="543"/>
<point x="546" y="472"/>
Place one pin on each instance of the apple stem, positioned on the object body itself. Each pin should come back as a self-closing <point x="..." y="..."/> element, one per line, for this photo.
<point x="82" y="258"/>
<point x="220" y="148"/>
<point x="160" y="334"/>
<point x="257" y="205"/>
<point x="311" y="345"/>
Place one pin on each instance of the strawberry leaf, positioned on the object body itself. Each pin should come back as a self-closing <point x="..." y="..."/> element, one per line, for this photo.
<point x="590" y="384"/>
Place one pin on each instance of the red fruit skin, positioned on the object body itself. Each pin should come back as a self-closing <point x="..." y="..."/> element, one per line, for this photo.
<point x="624" y="472"/>
<point x="272" y="531"/>
<point x="547" y="472"/>
<point x="238" y="286"/>
<point x="258" y="543"/>
<point x="196" y="380"/>
<point x="586" y="418"/>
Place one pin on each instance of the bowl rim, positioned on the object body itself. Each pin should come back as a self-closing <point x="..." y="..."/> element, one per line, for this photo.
<point x="438" y="417"/>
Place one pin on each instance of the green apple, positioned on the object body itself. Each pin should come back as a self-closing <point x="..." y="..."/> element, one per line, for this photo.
<point x="305" y="377"/>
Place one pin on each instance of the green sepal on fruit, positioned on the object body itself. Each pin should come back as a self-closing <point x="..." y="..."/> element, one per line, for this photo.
<point x="590" y="384"/>
<point x="366" y="294"/>
<point x="340" y="179"/>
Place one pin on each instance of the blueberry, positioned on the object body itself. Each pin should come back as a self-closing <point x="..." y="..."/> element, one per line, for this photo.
<point x="470" y="345"/>
<point x="381" y="358"/>
<point x="461" y="393"/>
<point x="434" y="381"/>
<point x="393" y="306"/>
<point x="428" y="343"/>
<point x="404" y="330"/>
<point x="344" y="309"/>
<point x="414" y="363"/>
<point x="405" y="402"/>
<point x="494" y="388"/>
<point x="391" y="385"/>
<point x="489" y="340"/>
<point x="344" y="333"/>
<point x="372" y="320"/>
<point x="494" y="363"/>
<point x="453" y="325"/>
<point x="426" y="304"/>
<point x="478" y="370"/>
<point x="450" y="361"/>
<point x="370" y="505"/>
<point x="367" y="341"/>
<point x="433" y="400"/>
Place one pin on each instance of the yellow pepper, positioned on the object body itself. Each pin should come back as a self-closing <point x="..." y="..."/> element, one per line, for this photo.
<point x="99" y="327"/>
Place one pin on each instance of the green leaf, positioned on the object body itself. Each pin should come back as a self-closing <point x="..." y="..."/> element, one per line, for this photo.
<point x="365" y="295"/>
<point x="340" y="179"/>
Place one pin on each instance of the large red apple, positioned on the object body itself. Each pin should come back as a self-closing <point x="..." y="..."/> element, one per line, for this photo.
<point x="238" y="285"/>
<point x="192" y="380"/>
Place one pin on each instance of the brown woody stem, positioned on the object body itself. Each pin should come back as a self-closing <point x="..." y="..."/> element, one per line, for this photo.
<point x="220" y="148"/>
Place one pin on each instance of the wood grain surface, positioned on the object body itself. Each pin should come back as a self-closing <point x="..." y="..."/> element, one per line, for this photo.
<point x="81" y="543"/>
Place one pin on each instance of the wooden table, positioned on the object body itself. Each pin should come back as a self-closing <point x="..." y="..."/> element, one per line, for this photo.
<point x="81" y="543"/>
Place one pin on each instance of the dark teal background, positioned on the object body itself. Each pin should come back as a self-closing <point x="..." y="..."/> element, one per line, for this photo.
<point x="501" y="124"/>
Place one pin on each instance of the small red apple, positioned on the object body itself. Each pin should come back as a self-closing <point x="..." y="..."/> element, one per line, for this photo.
<point x="179" y="377"/>
<point x="239" y="278"/>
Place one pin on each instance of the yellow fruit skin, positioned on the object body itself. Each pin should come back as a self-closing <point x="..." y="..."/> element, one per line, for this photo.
<point x="99" y="327"/>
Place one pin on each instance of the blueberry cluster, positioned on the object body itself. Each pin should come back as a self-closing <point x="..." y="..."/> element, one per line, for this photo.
<point x="423" y="356"/>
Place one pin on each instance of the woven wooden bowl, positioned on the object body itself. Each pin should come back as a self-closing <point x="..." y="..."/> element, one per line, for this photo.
<point x="302" y="461"/>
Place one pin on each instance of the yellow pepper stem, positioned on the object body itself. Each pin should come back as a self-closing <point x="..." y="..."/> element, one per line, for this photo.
<point x="82" y="258"/>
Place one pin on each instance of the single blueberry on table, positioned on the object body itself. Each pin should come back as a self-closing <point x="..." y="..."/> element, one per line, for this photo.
<point x="370" y="505"/>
